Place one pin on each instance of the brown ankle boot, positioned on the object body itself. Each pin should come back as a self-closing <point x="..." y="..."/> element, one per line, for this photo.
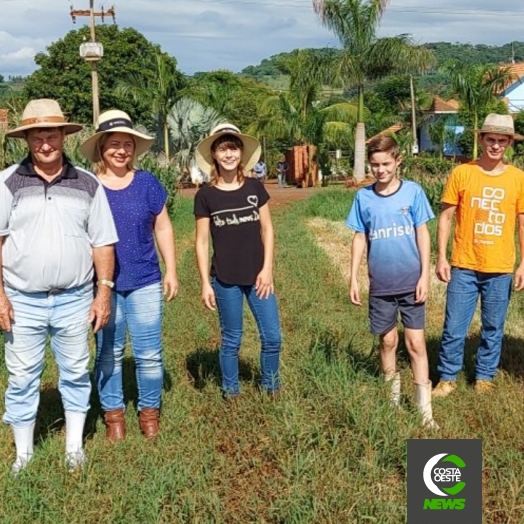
<point x="149" y="422"/>
<point x="115" y="424"/>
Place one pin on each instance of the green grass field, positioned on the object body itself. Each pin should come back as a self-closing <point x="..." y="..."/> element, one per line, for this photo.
<point x="328" y="450"/>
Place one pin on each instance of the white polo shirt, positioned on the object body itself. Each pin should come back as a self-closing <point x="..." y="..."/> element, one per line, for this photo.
<point x="51" y="227"/>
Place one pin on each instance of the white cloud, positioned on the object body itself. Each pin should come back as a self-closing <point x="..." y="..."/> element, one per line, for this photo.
<point x="231" y="34"/>
<point x="17" y="53"/>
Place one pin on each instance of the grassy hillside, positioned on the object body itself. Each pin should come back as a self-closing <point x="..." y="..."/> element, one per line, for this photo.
<point x="268" y="70"/>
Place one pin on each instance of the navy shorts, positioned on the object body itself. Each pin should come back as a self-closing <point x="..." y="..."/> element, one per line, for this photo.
<point x="384" y="310"/>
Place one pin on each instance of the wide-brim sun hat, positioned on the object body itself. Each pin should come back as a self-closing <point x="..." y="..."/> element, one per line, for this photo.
<point x="115" y="121"/>
<point x="500" y="125"/>
<point x="250" y="153"/>
<point x="43" y="113"/>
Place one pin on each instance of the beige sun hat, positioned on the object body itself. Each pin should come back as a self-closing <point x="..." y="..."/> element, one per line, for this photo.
<point x="43" y="113"/>
<point x="500" y="125"/>
<point x="250" y="154"/>
<point x="115" y="121"/>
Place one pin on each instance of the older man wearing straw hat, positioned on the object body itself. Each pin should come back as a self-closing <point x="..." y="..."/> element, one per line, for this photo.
<point x="487" y="198"/>
<point x="55" y="224"/>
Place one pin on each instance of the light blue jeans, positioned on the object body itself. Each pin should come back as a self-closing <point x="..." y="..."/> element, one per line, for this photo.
<point x="463" y="291"/>
<point x="65" y="317"/>
<point x="138" y="312"/>
<point x="230" y="305"/>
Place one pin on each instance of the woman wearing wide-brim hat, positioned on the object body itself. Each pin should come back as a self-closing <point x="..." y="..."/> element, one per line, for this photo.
<point x="234" y="211"/>
<point x="138" y="202"/>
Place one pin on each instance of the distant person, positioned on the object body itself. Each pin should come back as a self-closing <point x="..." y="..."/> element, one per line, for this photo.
<point x="138" y="203"/>
<point x="234" y="210"/>
<point x="260" y="170"/>
<point x="55" y="224"/>
<point x="282" y="169"/>
<point x="486" y="196"/>
<point x="390" y="220"/>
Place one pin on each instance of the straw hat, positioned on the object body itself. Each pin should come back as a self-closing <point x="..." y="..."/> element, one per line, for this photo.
<point x="500" y="125"/>
<point x="115" y="121"/>
<point x="43" y="113"/>
<point x="250" y="154"/>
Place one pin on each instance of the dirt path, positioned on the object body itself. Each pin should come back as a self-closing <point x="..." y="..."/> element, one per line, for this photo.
<point x="280" y="197"/>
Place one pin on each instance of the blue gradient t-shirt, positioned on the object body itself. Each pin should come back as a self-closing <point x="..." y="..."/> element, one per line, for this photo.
<point x="135" y="209"/>
<point x="389" y="223"/>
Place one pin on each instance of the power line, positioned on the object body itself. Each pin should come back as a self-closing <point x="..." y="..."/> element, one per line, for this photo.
<point x="396" y="9"/>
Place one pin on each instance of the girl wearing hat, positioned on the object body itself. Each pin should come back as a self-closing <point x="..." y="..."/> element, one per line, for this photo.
<point x="138" y="203"/>
<point x="234" y="210"/>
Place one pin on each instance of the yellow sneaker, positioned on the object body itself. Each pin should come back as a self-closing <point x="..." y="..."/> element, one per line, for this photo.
<point x="444" y="388"/>
<point x="484" y="386"/>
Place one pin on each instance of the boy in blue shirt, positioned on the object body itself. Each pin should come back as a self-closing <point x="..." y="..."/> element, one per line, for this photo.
<point x="390" y="219"/>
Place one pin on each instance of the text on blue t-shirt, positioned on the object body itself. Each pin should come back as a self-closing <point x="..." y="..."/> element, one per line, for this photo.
<point x="389" y="223"/>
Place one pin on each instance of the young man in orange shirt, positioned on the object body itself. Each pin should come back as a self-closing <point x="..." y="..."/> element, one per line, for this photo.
<point x="486" y="197"/>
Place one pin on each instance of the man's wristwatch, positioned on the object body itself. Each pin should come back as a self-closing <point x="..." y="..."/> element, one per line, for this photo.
<point x="105" y="282"/>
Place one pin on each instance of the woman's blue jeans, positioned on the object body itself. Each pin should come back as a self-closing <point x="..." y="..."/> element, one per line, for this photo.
<point x="230" y="305"/>
<point x="463" y="291"/>
<point x="138" y="312"/>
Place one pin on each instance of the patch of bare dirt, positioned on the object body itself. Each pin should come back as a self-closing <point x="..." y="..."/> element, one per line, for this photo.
<point x="280" y="197"/>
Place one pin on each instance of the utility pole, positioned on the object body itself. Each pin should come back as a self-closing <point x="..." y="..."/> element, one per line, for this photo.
<point x="93" y="51"/>
<point x="414" y="145"/>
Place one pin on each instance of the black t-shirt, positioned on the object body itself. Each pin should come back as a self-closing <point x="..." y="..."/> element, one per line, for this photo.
<point x="238" y="251"/>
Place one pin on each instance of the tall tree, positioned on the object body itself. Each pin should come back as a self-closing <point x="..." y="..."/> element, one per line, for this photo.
<point x="476" y="86"/>
<point x="63" y="75"/>
<point x="299" y="116"/>
<point x="236" y="98"/>
<point x="366" y="57"/>
<point x="160" y="92"/>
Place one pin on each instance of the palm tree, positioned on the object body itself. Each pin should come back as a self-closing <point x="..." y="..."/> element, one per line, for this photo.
<point x="161" y="92"/>
<point x="189" y="122"/>
<point x="476" y="86"/>
<point x="364" y="56"/>
<point x="215" y="89"/>
<point x="298" y="115"/>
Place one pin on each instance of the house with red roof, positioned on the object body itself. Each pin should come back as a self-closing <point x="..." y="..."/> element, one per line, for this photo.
<point x="513" y="91"/>
<point x="445" y="112"/>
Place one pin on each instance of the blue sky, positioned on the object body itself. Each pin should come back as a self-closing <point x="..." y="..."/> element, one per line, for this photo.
<point x="231" y="34"/>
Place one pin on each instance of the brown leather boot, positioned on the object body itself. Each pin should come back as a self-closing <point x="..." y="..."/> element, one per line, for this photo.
<point x="115" y="424"/>
<point x="149" y="422"/>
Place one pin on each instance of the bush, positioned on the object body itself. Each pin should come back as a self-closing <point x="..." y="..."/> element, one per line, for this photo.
<point x="426" y="165"/>
<point x="431" y="173"/>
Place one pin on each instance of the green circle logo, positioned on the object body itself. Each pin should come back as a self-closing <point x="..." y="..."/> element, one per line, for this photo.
<point x="444" y="474"/>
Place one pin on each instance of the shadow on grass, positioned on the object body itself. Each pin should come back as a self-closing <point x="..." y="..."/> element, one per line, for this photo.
<point x="50" y="416"/>
<point x="333" y="349"/>
<point x="130" y="387"/>
<point x="203" y="367"/>
<point x="512" y="358"/>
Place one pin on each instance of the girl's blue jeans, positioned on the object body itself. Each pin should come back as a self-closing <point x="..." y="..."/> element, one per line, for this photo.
<point x="230" y="305"/>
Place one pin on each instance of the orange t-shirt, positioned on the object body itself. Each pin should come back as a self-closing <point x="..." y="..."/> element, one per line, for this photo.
<point x="487" y="206"/>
